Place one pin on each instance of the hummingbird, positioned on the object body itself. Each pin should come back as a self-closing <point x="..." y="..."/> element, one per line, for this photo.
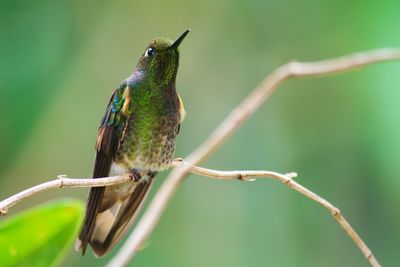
<point x="136" y="135"/>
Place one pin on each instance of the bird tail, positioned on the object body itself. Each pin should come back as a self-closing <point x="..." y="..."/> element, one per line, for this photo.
<point x="117" y="211"/>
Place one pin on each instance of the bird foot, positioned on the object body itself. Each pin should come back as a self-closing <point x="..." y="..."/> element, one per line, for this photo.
<point x="136" y="175"/>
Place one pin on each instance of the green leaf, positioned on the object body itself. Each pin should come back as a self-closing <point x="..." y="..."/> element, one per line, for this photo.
<point x="40" y="236"/>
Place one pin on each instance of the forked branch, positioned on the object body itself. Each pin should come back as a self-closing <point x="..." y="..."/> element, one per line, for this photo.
<point x="234" y="120"/>
<point x="244" y="110"/>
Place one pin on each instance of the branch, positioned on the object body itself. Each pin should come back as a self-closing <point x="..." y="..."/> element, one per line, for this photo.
<point x="64" y="182"/>
<point x="61" y="182"/>
<point x="287" y="180"/>
<point x="222" y="133"/>
<point x="231" y="124"/>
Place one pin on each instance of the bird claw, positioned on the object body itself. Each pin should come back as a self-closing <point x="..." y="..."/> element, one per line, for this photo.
<point x="135" y="175"/>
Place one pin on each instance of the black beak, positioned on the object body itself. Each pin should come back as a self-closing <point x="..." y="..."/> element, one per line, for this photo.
<point x="179" y="40"/>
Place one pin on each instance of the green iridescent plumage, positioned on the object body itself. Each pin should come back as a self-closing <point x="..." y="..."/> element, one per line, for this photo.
<point x="137" y="134"/>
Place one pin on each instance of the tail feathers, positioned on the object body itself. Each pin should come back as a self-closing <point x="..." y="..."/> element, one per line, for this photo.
<point x="94" y="201"/>
<point x="101" y="169"/>
<point x="119" y="207"/>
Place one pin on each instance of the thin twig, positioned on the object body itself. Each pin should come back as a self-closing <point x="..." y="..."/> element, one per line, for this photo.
<point x="64" y="182"/>
<point x="224" y="131"/>
<point x="287" y="179"/>
<point x="61" y="182"/>
<point x="230" y="125"/>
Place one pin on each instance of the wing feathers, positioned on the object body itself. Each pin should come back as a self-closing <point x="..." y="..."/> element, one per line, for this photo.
<point x="109" y="135"/>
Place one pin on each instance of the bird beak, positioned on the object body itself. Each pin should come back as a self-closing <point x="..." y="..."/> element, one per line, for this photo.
<point x="179" y="40"/>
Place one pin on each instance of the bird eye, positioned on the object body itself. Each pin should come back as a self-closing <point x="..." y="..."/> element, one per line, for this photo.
<point x="149" y="52"/>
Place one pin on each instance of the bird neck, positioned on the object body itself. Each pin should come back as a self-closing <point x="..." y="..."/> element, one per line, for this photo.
<point x="151" y="96"/>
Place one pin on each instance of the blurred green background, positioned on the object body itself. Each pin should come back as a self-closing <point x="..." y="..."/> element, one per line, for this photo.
<point x="60" y="61"/>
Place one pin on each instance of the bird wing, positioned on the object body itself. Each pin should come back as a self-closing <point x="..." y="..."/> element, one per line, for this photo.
<point x="110" y="133"/>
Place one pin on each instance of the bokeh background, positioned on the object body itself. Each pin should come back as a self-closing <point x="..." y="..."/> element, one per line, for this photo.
<point x="60" y="61"/>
